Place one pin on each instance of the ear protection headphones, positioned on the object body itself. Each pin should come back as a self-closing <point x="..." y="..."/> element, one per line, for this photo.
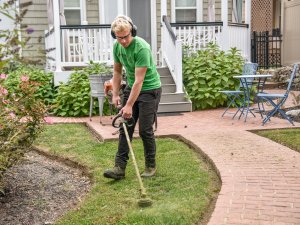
<point x="133" y="28"/>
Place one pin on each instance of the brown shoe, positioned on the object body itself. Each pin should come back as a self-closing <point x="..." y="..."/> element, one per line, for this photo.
<point x="149" y="172"/>
<point x="116" y="173"/>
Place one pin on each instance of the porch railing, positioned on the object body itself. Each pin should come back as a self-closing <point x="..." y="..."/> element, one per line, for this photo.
<point x="172" y="53"/>
<point x="198" y="35"/>
<point x="81" y="44"/>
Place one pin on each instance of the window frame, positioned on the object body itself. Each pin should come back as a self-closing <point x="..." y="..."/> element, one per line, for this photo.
<point x="198" y="7"/>
<point x="80" y="8"/>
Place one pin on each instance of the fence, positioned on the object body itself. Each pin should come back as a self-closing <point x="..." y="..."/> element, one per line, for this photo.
<point x="266" y="48"/>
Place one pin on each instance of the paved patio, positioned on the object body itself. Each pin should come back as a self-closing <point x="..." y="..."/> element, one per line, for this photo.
<point x="260" y="178"/>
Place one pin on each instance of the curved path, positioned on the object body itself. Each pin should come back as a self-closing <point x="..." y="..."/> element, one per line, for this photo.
<point x="260" y="178"/>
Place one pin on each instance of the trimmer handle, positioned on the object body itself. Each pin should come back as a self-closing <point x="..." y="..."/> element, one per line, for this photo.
<point x="119" y="120"/>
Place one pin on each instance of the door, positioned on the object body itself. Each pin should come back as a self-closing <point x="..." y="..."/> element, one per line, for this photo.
<point x="140" y="13"/>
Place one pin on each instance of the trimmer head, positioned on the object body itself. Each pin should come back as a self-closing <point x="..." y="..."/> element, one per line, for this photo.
<point x="145" y="202"/>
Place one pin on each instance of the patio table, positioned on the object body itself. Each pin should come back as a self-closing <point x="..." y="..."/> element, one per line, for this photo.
<point x="247" y="83"/>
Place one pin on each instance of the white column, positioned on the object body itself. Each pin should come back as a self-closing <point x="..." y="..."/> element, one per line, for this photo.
<point x="57" y="36"/>
<point x="163" y="8"/>
<point x="83" y="13"/>
<point x="178" y="68"/>
<point x="248" y="21"/>
<point x="225" y="34"/>
<point x="163" y="12"/>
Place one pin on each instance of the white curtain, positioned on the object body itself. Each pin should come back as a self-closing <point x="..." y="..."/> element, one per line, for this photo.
<point x="237" y="7"/>
<point x="50" y="12"/>
<point x="211" y="11"/>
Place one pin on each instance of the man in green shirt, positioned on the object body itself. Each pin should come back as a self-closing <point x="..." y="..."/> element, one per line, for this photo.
<point x="141" y="95"/>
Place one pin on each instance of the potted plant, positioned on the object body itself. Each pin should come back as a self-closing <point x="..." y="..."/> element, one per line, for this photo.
<point x="97" y="80"/>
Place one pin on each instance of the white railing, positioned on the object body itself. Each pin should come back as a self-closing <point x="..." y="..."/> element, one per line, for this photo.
<point x="172" y="54"/>
<point x="197" y="35"/>
<point x="50" y="49"/>
<point x="239" y="37"/>
<point x="81" y="44"/>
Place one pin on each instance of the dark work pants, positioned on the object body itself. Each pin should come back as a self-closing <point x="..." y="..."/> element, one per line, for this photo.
<point x="144" y="110"/>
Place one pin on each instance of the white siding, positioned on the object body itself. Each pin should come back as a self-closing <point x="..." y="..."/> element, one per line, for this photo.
<point x="291" y="32"/>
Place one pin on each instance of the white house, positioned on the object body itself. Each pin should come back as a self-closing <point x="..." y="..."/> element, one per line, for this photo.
<point x="77" y="31"/>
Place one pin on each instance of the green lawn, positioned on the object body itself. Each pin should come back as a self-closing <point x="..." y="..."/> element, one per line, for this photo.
<point x="181" y="191"/>
<point x="287" y="137"/>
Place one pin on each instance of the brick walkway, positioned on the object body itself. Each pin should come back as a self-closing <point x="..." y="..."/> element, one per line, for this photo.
<point x="260" y="178"/>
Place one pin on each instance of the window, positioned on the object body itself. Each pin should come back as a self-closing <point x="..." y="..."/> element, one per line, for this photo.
<point x="186" y="11"/>
<point x="72" y="12"/>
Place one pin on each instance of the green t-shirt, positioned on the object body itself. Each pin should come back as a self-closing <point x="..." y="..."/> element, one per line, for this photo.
<point x="137" y="54"/>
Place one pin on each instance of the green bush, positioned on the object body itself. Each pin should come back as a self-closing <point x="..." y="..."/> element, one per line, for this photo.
<point x="208" y="71"/>
<point x="73" y="98"/>
<point x="45" y="90"/>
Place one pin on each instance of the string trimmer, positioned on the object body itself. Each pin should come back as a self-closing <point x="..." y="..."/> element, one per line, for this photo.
<point x="117" y="122"/>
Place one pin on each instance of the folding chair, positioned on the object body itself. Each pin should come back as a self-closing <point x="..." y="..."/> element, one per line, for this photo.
<point x="281" y="98"/>
<point x="234" y="95"/>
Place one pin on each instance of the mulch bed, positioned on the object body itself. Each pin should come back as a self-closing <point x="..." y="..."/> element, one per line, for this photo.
<point x="39" y="190"/>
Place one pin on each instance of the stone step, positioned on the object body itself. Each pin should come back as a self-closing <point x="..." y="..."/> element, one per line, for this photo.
<point x="173" y="97"/>
<point x="166" y="80"/>
<point x="175" y="107"/>
<point x="163" y="71"/>
<point x="168" y="88"/>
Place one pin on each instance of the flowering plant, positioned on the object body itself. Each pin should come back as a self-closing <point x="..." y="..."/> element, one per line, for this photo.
<point x="21" y="118"/>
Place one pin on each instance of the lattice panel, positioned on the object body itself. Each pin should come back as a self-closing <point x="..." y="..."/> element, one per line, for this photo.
<point x="261" y="16"/>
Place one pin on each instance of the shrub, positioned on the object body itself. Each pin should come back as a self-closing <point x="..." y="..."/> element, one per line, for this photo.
<point x="45" y="91"/>
<point x="21" y="119"/>
<point x="208" y="71"/>
<point x="73" y="98"/>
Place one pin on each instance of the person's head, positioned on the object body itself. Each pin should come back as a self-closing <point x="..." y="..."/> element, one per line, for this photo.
<point x="123" y="30"/>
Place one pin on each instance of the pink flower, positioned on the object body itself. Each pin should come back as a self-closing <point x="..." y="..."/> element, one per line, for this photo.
<point x="3" y="76"/>
<point x="5" y="102"/>
<point x="12" y="115"/>
<point x="24" y="78"/>
<point x="4" y="91"/>
<point x="48" y="120"/>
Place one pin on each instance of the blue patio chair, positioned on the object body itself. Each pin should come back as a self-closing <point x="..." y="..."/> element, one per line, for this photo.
<point x="234" y="95"/>
<point x="281" y="98"/>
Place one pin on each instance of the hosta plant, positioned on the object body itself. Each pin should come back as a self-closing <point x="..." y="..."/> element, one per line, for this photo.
<point x="73" y="97"/>
<point x="208" y="71"/>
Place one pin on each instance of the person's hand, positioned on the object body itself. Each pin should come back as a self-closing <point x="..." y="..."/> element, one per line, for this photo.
<point x="116" y="100"/>
<point x="126" y="112"/>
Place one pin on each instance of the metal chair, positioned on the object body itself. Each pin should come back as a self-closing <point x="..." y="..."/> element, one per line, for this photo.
<point x="281" y="98"/>
<point x="234" y="95"/>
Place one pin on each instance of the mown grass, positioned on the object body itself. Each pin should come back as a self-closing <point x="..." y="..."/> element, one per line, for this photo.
<point x="182" y="190"/>
<point x="286" y="137"/>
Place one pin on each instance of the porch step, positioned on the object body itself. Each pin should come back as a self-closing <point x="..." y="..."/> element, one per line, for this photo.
<point x="173" y="97"/>
<point x="174" y="107"/>
<point x="168" y="88"/>
<point x="164" y="71"/>
<point x="167" y="80"/>
<point x="170" y="100"/>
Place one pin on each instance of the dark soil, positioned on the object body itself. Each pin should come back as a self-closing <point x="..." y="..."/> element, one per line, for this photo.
<point x="40" y="190"/>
